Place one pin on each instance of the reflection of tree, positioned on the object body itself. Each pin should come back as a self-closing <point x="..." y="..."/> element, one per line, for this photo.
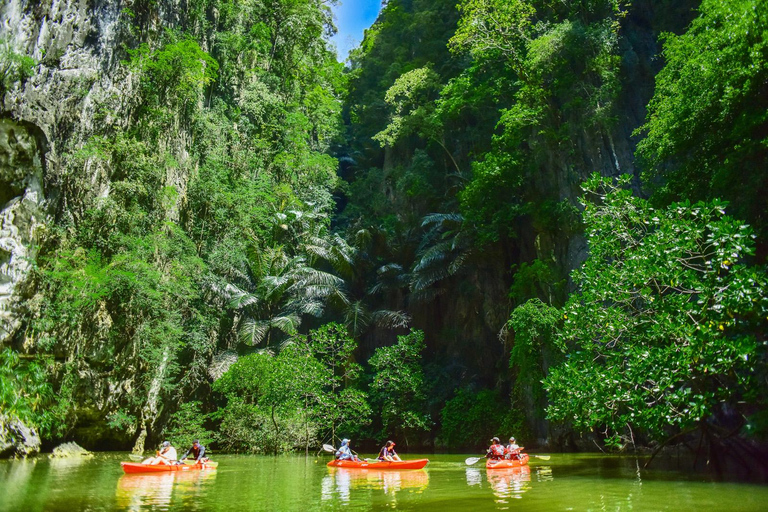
<point x="14" y="480"/>
<point x="510" y="483"/>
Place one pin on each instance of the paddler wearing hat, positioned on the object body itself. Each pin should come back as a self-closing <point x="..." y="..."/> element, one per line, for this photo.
<point x="496" y="451"/>
<point x="388" y="452"/>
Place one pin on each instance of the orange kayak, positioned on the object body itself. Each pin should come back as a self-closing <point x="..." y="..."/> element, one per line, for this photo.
<point x="507" y="463"/>
<point x="135" y="467"/>
<point x="383" y="464"/>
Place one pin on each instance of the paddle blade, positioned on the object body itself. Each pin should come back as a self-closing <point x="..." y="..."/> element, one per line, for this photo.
<point x="136" y="457"/>
<point x="543" y="457"/>
<point x="328" y="448"/>
<point x="472" y="460"/>
<point x="191" y="462"/>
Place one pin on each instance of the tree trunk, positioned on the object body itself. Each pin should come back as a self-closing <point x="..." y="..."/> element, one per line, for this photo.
<point x="138" y="447"/>
<point x="277" y="431"/>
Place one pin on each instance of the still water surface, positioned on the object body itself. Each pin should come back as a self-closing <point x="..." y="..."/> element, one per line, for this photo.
<point x="565" y="482"/>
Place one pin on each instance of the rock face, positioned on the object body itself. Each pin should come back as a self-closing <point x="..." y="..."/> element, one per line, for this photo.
<point x="21" y="211"/>
<point x="17" y="439"/>
<point x="77" y="88"/>
<point x="72" y="45"/>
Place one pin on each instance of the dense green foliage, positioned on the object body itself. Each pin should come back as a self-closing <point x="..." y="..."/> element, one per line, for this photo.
<point x="468" y="417"/>
<point x="268" y="251"/>
<point x="398" y="387"/>
<point x="665" y="332"/>
<point x="707" y="128"/>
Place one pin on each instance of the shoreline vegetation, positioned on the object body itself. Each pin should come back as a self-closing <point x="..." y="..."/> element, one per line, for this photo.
<point x="500" y="217"/>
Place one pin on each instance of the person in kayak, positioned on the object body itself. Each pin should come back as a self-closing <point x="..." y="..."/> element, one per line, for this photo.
<point x="512" y="451"/>
<point x="496" y="451"/>
<point x="197" y="451"/>
<point x="345" y="452"/>
<point x="388" y="453"/>
<point x="165" y="455"/>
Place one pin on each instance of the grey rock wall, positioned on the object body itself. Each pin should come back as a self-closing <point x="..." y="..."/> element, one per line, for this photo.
<point x="74" y="80"/>
<point x="21" y="213"/>
<point x="17" y="439"/>
<point x="79" y="88"/>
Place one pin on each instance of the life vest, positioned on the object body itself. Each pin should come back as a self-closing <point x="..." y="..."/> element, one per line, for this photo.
<point x="497" y="451"/>
<point x="386" y="452"/>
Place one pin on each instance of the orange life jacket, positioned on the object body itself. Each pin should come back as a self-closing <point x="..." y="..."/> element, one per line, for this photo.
<point x="497" y="451"/>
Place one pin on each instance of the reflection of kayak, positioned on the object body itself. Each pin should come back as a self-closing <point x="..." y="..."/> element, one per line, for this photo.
<point x="137" y="491"/>
<point x="135" y="467"/>
<point x="510" y="481"/>
<point x="384" y="464"/>
<point x="507" y="463"/>
<point x="389" y="480"/>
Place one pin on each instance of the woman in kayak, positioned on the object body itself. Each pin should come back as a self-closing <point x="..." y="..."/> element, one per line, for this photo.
<point x="345" y="453"/>
<point x="512" y="451"/>
<point x="166" y="455"/>
<point x="496" y="451"/>
<point x="388" y="453"/>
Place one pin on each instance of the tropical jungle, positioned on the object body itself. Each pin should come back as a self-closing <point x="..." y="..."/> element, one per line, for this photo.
<point x="535" y="217"/>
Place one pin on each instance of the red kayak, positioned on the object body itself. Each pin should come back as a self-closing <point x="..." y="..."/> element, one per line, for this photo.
<point x="381" y="464"/>
<point x="507" y="463"/>
<point x="136" y="467"/>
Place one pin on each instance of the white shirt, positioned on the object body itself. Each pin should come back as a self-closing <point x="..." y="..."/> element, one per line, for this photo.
<point x="169" y="453"/>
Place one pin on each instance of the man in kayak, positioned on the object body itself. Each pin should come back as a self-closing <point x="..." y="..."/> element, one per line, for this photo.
<point x="345" y="452"/>
<point x="496" y="451"/>
<point x="166" y="455"/>
<point x="388" y="453"/>
<point x="512" y="451"/>
<point x="196" y="450"/>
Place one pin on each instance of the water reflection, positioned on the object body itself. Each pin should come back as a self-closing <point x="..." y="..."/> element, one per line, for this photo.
<point x="340" y="481"/>
<point x="15" y="479"/>
<point x="510" y="483"/>
<point x="157" y="490"/>
<point x="474" y="477"/>
<point x="65" y="465"/>
<point x="544" y="474"/>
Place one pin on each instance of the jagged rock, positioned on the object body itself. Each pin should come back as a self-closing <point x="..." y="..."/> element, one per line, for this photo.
<point x="67" y="450"/>
<point x="17" y="439"/>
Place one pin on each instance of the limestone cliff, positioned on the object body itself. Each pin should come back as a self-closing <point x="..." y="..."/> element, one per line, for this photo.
<point x="77" y="88"/>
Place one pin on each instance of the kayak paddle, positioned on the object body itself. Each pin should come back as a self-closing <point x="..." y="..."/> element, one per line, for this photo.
<point x="330" y="449"/>
<point x="473" y="460"/>
<point x="190" y="462"/>
<point x="136" y="457"/>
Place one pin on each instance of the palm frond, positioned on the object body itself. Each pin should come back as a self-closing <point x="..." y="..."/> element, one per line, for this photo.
<point x="288" y="323"/>
<point x="390" y="319"/>
<point x="435" y="254"/>
<point x="458" y="262"/>
<point x="253" y="332"/>
<point x="390" y="268"/>
<point x="441" y="219"/>
<point x="363" y="237"/>
<point x="238" y="298"/>
<point x="310" y="276"/>
<point x="426" y="278"/>
<point x="426" y="295"/>
<point x="356" y="317"/>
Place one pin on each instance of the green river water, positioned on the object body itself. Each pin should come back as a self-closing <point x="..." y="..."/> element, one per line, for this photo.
<point x="565" y="482"/>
